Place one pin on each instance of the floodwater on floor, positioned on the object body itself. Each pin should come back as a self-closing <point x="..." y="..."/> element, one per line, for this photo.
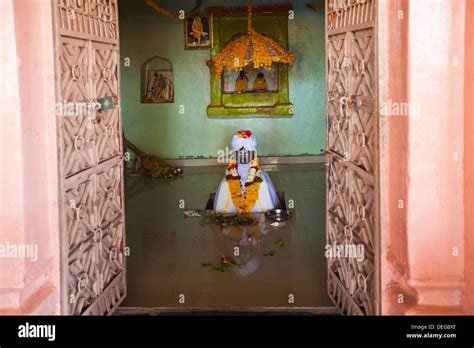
<point x="172" y="257"/>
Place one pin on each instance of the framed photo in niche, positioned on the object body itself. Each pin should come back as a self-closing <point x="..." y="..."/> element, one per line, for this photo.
<point x="198" y="32"/>
<point x="159" y="86"/>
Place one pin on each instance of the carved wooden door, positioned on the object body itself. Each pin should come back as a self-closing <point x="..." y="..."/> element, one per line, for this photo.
<point x="352" y="155"/>
<point x="90" y="152"/>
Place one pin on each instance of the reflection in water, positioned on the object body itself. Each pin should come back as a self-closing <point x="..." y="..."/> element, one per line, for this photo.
<point x="245" y="243"/>
<point x="167" y="251"/>
<point x="248" y="268"/>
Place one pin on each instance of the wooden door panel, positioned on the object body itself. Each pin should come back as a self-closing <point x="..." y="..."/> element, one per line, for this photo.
<point x="91" y="161"/>
<point x="339" y="199"/>
<point x="352" y="148"/>
<point x="75" y="111"/>
<point x="83" y="282"/>
<point x="80" y="210"/>
<point x="339" y="123"/>
<point x="78" y="144"/>
<point x="351" y="206"/>
<point x="109" y="194"/>
<point x="110" y="298"/>
<point x="108" y="135"/>
<point x="112" y="259"/>
<point x="89" y="19"/>
<point x="363" y="142"/>
<point x="104" y="69"/>
<point x="74" y="63"/>
<point x="105" y="84"/>
<point x="83" y="256"/>
<point x="363" y="209"/>
<point x="360" y="102"/>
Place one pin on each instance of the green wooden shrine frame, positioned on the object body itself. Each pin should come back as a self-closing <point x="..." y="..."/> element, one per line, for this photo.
<point x="274" y="25"/>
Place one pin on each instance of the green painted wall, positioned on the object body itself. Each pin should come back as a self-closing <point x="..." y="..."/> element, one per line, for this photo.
<point x="160" y="129"/>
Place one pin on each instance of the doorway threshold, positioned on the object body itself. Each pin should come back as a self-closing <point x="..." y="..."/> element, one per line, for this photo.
<point x="191" y="311"/>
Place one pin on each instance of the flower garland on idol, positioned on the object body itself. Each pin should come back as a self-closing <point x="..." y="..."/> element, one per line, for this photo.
<point x="244" y="203"/>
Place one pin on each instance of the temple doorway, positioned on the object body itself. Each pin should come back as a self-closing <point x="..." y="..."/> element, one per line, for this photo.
<point x="72" y="182"/>
<point x="177" y="262"/>
<point x="292" y="224"/>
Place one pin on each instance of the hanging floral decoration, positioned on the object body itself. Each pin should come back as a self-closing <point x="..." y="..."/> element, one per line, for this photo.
<point x="250" y="49"/>
<point x="167" y="13"/>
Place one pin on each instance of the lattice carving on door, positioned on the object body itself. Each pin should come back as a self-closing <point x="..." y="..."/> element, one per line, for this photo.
<point x="109" y="195"/>
<point x="107" y="134"/>
<point x="111" y="252"/>
<point x="78" y="144"/>
<point x="81" y="219"/>
<point x="350" y="15"/>
<point x="91" y="149"/>
<point x="74" y="61"/>
<point x="90" y="19"/>
<point x="104" y="68"/>
<point x="105" y="83"/>
<point x="352" y="153"/>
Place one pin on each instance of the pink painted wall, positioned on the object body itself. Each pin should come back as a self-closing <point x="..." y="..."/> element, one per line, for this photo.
<point x="435" y="220"/>
<point x="422" y="61"/>
<point x="398" y="135"/>
<point x="11" y="170"/>
<point x="469" y="157"/>
<point x="29" y="188"/>
<point x="393" y="88"/>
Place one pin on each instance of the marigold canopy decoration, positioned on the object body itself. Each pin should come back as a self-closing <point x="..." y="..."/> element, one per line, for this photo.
<point x="250" y="49"/>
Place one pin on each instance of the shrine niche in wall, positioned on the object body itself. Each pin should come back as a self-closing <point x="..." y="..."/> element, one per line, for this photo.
<point x="157" y="84"/>
<point x="250" y="80"/>
<point x="251" y="91"/>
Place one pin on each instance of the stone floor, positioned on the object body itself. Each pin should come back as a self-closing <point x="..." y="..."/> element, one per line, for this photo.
<point x="167" y="249"/>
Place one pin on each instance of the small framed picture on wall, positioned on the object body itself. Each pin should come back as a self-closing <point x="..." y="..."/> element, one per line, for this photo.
<point x="198" y="32"/>
<point x="159" y="87"/>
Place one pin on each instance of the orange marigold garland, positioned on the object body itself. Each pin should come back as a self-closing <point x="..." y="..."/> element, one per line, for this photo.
<point x="244" y="204"/>
<point x="250" y="49"/>
<point x="167" y="13"/>
<point x="265" y="52"/>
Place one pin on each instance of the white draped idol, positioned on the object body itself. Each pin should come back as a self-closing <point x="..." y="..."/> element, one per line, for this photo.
<point x="246" y="187"/>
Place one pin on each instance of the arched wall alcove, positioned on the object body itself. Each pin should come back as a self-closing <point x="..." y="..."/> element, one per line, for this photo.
<point x="156" y="81"/>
